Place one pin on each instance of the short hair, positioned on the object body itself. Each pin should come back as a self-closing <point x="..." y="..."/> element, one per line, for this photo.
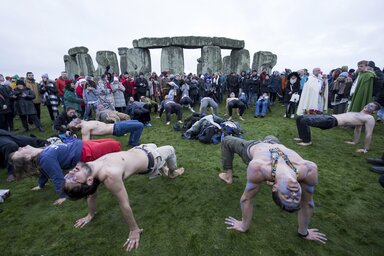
<point x="287" y="208"/>
<point x="80" y="190"/>
<point x="363" y="62"/>
<point x="23" y="167"/>
<point x="69" y="108"/>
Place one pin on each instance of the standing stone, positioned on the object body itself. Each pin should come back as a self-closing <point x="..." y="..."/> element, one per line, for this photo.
<point x="211" y="59"/>
<point x="172" y="59"/>
<point x="85" y="64"/>
<point x="123" y="59"/>
<point x="79" y="62"/>
<point x="227" y="65"/>
<point x="263" y="59"/>
<point x="105" y="58"/>
<point x="70" y="66"/>
<point x="240" y="60"/>
<point x="135" y="60"/>
<point x="199" y="66"/>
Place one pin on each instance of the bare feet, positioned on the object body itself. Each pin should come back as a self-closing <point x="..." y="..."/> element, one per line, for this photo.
<point x="225" y="177"/>
<point x="176" y="173"/>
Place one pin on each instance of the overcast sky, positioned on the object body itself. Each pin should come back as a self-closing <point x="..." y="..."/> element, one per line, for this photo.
<point x="303" y="33"/>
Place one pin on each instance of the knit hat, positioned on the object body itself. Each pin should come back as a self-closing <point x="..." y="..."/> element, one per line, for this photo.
<point x="20" y="82"/>
<point x="371" y="64"/>
<point x="45" y="76"/>
<point x="344" y="68"/>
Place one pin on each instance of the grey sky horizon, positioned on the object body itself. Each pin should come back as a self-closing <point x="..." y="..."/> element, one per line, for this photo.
<point x="36" y="34"/>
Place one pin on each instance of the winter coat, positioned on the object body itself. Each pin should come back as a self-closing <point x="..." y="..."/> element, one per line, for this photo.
<point x="5" y="92"/>
<point x="72" y="100"/>
<point x="24" y="101"/>
<point x="118" y="94"/>
<point x="90" y="95"/>
<point x="31" y="84"/>
<point x="49" y="94"/>
<point x="275" y="84"/>
<point x="141" y="85"/>
<point x="289" y="90"/>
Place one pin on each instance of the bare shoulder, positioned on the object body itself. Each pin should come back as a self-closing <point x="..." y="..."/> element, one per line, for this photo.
<point x="309" y="172"/>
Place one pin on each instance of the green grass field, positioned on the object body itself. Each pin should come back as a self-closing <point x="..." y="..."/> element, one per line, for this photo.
<point x="185" y="216"/>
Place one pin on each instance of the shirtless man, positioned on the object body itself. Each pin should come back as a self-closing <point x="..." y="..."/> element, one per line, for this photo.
<point x="89" y="128"/>
<point x="293" y="181"/>
<point x="112" y="170"/>
<point x="357" y="119"/>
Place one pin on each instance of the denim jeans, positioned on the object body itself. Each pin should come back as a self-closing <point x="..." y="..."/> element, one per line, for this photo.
<point x="380" y="114"/>
<point x="264" y="106"/>
<point x="134" y="127"/>
<point x="304" y="123"/>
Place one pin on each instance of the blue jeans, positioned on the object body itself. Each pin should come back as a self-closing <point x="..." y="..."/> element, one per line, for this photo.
<point x="264" y="106"/>
<point x="134" y="127"/>
<point x="380" y="114"/>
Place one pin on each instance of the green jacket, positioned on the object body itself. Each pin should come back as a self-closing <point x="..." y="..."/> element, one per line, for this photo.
<point x="364" y="91"/>
<point x="72" y="100"/>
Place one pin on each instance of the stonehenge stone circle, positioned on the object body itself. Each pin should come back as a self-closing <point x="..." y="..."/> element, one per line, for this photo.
<point x="138" y="59"/>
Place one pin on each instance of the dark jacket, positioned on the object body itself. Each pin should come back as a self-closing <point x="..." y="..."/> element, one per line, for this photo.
<point x="24" y="101"/>
<point x="290" y="88"/>
<point x="61" y="122"/>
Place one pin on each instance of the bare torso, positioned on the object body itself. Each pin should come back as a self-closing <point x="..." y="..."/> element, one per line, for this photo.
<point x="89" y="128"/>
<point x="262" y="162"/>
<point x="120" y="165"/>
<point x="354" y="119"/>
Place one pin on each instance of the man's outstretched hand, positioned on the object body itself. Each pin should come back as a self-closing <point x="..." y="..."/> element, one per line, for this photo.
<point x="315" y="235"/>
<point x="234" y="224"/>
<point x="133" y="239"/>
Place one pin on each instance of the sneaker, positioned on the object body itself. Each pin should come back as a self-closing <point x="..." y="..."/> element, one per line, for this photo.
<point x="157" y="117"/>
<point x="297" y="139"/>
<point x="304" y="143"/>
<point x="168" y="123"/>
<point x="241" y="118"/>
<point x="148" y="124"/>
<point x="230" y="118"/>
<point x="292" y="116"/>
<point x="180" y="122"/>
<point x="284" y="115"/>
<point x="256" y="116"/>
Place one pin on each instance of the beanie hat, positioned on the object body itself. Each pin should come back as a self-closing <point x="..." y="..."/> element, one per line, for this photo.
<point x="45" y="76"/>
<point x="20" y="82"/>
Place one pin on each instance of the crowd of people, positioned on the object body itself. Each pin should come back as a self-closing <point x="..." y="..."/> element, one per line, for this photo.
<point x="120" y="104"/>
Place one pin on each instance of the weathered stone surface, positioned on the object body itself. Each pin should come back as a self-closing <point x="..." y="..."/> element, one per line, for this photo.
<point x="227" y="65"/>
<point x="211" y="59"/>
<point x="189" y="42"/>
<point x="85" y="64"/>
<point x="105" y="58"/>
<point x="264" y="59"/>
<point x="70" y="65"/>
<point x="240" y="60"/>
<point x="172" y="59"/>
<point x="79" y="63"/>
<point x="77" y="50"/>
<point x="152" y="42"/>
<point x="135" y="60"/>
<point x="228" y="43"/>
